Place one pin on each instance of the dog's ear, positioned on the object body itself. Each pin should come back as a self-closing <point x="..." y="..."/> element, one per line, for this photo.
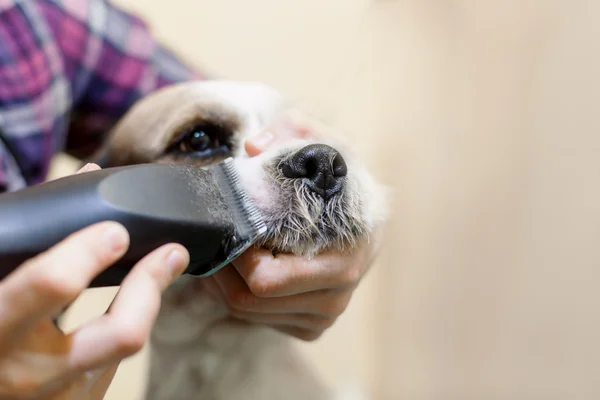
<point x="109" y="156"/>
<point x="121" y="145"/>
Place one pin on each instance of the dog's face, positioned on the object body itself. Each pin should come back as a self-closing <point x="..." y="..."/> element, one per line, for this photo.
<point x="314" y="194"/>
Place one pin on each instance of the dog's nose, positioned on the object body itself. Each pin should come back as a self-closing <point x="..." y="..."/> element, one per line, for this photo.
<point x="322" y="166"/>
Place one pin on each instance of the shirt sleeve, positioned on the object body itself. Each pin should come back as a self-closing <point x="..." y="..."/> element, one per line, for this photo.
<point x="111" y="60"/>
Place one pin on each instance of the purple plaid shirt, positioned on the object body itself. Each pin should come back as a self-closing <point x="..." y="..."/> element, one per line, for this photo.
<point x="69" y="69"/>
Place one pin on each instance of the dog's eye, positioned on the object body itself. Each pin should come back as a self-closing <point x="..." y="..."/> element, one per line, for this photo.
<point x="202" y="141"/>
<point x="199" y="140"/>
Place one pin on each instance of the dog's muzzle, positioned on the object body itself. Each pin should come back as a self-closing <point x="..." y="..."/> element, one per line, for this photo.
<point x="320" y="166"/>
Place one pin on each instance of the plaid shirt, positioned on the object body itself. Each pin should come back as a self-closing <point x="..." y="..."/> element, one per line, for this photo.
<point x="69" y="69"/>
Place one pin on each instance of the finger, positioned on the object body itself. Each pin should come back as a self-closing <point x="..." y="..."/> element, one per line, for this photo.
<point x="210" y="286"/>
<point x="89" y="385"/>
<point x="100" y="382"/>
<point x="125" y="328"/>
<point x="284" y="274"/>
<point x="257" y="144"/>
<point x="299" y="333"/>
<point x="317" y="323"/>
<point x="88" y="168"/>
<point x="44" y="284"/>
<point x="239" y="298"/>
<point x="281" y="130"/>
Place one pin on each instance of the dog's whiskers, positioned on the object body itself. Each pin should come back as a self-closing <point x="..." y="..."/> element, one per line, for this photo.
<point x="305" y="223"/>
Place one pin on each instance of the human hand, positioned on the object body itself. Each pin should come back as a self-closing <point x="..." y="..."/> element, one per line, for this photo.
<point x="37" y="359"/>
<point x="299" y="297"/>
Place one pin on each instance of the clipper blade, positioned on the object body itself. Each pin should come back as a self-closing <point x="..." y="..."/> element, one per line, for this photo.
<point x="248" y="220"/>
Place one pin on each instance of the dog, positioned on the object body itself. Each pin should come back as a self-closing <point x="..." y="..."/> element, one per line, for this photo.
<point x="314" y="194"/>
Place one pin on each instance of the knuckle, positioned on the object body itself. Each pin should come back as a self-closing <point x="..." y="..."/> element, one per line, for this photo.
<point x="56" y="285"/>
<point x="240" y="300"/>
<point x="335" y="307"/>
<point x="87" y="249"/>
<point x="318" y="323"/>
<point x="260" y="287"/>
<point x="308" y="336"/>
<point x="238" y="314"/>
<point x="130" y="340"/>
<point x="322" y="324"/>
<point x="351" y="277"/>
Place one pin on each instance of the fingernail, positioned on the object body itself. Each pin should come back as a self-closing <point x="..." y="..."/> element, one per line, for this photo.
<point x="263" y="140"/>
<point x="116" y="237"/>
<point x="85" y="168"/>
<point x="177" y="261"/>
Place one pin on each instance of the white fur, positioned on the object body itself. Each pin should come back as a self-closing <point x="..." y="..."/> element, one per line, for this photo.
<point x="198" y="350"/>
<point x="255" y="103"/>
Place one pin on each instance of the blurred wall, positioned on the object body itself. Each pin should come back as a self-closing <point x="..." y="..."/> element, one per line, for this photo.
<point x="482" y="116"/>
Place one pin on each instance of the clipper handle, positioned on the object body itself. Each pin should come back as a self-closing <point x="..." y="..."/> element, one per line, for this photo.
<point x="157" y="204"/>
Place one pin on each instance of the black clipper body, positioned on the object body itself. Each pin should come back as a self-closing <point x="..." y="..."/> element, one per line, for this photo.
<point x="204" y="210"/>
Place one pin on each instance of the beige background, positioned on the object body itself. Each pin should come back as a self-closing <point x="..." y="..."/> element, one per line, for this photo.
<point x="483" y="118"/>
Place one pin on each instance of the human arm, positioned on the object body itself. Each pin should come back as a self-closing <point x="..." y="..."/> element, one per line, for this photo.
<point x="111" y="59"/>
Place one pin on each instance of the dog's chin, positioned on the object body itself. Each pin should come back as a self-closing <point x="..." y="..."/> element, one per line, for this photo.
<point x="306" y="226"/>
<point x="299" y="221"/>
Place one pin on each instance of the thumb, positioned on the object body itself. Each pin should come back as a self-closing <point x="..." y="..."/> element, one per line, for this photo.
<point x="290" y="125"/>
<point x="258" y="144"/>
<point x="88" y="168"/>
